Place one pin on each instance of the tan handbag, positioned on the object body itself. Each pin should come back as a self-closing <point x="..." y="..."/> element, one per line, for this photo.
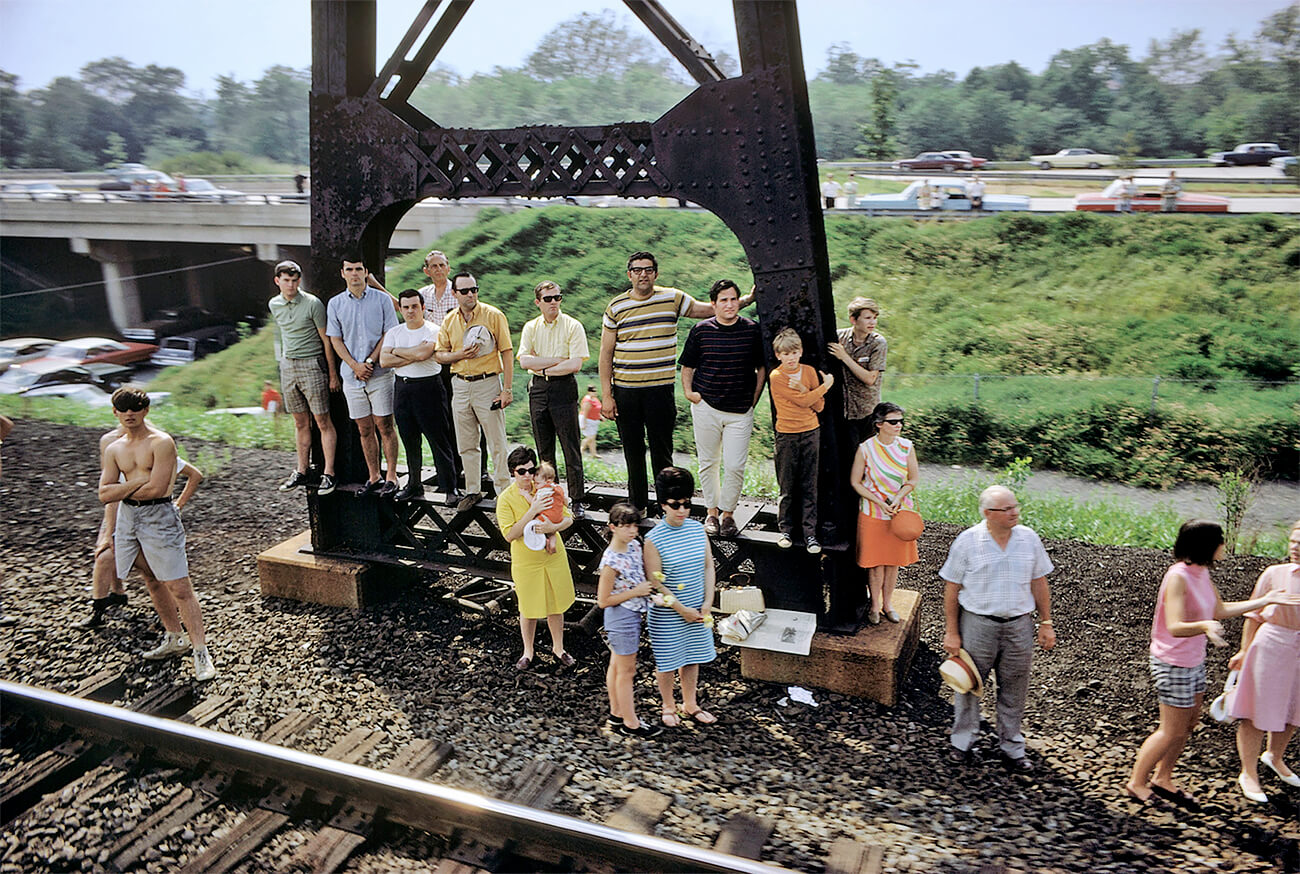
<point x="742" y="598"/>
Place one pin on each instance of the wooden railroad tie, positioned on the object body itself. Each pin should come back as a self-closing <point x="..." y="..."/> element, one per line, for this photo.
<point x="536" y="786"/>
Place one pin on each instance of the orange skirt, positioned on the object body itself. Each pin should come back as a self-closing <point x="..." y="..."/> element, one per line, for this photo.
<point x="877" y="546"/>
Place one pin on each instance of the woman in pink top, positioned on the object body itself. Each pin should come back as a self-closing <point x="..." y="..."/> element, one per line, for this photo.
<point x="1267" y="697"/>
<point x="1188" y="610"/>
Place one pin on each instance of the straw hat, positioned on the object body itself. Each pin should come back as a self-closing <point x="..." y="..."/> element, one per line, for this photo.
<point x="906" y="525"/>
<point x="961" y="674"/>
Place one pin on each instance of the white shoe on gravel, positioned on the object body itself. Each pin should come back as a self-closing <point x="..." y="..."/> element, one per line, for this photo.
<point x="173" y="644"/>
<point x="204" y="670"/>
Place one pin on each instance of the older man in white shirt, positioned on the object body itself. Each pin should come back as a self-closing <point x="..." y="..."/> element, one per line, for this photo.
<point x="996" y="576"/>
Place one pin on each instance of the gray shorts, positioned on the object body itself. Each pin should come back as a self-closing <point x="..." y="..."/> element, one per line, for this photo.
<point x="156" y="531"/>
<point x="374" y="397"/>
<point x="623" y="629"/>
<point x="1177" y="686"/>
<point x="305" y="384"/>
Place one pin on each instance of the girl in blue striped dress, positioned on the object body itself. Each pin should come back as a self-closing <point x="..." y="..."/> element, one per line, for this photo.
<point x="680" y="636"/>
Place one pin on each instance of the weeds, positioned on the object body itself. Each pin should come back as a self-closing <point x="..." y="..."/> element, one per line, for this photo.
<point x="1236" y="494"/>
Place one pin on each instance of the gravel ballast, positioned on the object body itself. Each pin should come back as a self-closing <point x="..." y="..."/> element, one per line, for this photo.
<point x="418" y="667"/>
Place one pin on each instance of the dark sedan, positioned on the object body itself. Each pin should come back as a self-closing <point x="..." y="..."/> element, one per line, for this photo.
<point x="934" y="161"/>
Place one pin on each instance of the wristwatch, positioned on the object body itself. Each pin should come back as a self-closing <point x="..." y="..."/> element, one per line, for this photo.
<point x="370" y="361"/>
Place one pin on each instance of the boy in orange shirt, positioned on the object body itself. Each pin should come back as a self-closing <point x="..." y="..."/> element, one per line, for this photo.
<point x="798" y="399"/>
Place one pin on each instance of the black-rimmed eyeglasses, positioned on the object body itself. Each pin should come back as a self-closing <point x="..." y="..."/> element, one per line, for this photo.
<point x="641" y="270"/>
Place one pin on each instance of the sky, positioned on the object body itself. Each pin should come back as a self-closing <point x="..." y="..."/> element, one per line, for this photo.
<point x="44" y="39"/>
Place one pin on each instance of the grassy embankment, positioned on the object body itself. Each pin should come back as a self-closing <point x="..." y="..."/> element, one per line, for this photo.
<point x="1067" y="320"/>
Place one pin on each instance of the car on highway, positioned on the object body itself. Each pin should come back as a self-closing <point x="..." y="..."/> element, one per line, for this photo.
<point x="16" y="350"/>
<point x="98" y="350"/>
<point x="1257" y="154"/>
<point x="202" y="189"/>
<point x="1284" y="162"/>
<point x="139" y="185"/>
<point x="22" y="378"/>
<point x="86" y="393"/>
<point x="909" y="199"/>
<point x="37" y="191"/>
<point x="1149" y="199"/>
<point x="948" y="161"/>
<point x="184" y="348"/>
<point x="170" y="321"/>
<point x="975" y="162"/>
<point x="1075" y="158"/>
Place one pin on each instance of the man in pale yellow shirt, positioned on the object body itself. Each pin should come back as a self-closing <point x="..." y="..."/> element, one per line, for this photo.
<point x="482" y="376"/>
<point x="552" y="348"/>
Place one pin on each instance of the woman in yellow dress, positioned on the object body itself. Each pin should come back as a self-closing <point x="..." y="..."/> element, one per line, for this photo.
<point x="543" y="581"/>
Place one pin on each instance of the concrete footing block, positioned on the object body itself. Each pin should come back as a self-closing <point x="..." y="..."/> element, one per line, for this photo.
<point x="285" y="571"/>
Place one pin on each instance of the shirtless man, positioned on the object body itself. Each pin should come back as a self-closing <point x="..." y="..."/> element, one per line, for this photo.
<point x="140" y="471"/>
<point x="106" y="590"/>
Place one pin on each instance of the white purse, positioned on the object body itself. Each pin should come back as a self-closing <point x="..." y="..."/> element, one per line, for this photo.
<point x="742" y="598"/>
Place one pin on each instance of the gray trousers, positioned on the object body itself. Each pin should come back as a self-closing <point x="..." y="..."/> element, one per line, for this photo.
<point x="1005" y="647"/>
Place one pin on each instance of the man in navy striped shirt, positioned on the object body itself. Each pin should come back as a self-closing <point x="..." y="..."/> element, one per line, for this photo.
<point x="723" y="372"/>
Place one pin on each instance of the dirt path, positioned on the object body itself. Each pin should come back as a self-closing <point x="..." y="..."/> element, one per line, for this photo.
<point x="1276" y="504"/>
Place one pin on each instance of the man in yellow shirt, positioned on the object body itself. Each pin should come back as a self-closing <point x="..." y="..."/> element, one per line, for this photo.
<point x="552" y="348"/>
<point x="474" y="341"/>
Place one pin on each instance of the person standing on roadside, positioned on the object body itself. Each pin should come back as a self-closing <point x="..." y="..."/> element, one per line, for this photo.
<point x="474" y="341"/>
<point x="862" y="352"/>
<point x="139" y="470"/>
<point x="830" y="190"/>
<point x="358" y="319"/>
<point x="1169" y="193"/>
<point x="308" y="372"/>
<point x="417" y="397"/>
<point x="851" y="191"/>
<point x="723" y="372"/>
<point x="995" y="578"/>
<point x="552" y="348"/>
<point x="638" y="355"/>
<point x="975" y="193"/>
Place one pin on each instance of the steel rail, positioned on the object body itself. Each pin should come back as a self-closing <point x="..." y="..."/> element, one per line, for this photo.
<point x="407" y="801"/>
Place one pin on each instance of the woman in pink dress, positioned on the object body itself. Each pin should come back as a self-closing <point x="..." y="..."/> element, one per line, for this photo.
<point x="1267" y="697"/>
<point x="1188" y="610"/>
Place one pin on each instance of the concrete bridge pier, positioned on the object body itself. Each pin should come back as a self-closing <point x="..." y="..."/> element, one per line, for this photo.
<point x="120" y="288"/>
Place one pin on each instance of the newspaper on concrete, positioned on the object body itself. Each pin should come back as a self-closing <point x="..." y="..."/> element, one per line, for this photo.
<point x="788" y="631"/>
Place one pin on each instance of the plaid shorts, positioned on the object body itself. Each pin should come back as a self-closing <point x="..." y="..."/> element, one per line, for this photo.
<point x="1177" y="686"/>
<point x="305" y="385"/>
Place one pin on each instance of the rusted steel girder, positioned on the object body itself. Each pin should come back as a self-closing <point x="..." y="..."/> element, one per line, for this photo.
<point x="742" y="148"/>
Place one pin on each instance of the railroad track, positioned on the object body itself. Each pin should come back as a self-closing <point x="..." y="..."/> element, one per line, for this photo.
<point x="71" y="750"/>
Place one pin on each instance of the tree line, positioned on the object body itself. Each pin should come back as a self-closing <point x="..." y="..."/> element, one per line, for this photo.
<point x="1180" y="98"/>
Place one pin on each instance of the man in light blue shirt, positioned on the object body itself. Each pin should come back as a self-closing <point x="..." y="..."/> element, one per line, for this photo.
<point x="357" y="321"/>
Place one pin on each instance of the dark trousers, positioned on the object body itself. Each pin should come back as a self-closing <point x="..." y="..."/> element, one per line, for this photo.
<point x="796" y="475"/>
<point x="645" y="415"/>
<point x="553" y="410"/>
<point x="419" y="410"/>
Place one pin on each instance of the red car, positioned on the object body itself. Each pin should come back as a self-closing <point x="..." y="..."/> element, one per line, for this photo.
<point x="1149" y="199"/>
<point x="98" y="350"/>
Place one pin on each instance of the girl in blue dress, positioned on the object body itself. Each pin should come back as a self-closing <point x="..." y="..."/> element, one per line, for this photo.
<point x="681" y="630"/>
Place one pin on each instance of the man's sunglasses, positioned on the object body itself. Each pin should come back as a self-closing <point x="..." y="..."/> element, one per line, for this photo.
<point x="552" y="298"/>
<point x="675" y="505"/>
<point x="130" y="405"/>
<point x="473" y="289"/>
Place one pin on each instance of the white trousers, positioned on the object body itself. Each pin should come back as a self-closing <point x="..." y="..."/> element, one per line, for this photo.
<point x="721" y="440"/>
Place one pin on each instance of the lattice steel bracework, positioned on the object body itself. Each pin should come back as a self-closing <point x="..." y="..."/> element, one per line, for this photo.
<point x="742" y="148"/>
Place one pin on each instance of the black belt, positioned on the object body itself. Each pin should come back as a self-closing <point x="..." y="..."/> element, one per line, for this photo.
<point x="1001" y="618"/>
<point x="146" y="503"/>
<point x="549" y="378"/>
<point x="473" y="378"/>
<point x="416" y="378"/>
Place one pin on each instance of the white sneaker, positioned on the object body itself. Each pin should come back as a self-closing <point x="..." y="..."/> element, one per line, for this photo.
<point x="173" y="644"/>
<point x="204" y="670"/>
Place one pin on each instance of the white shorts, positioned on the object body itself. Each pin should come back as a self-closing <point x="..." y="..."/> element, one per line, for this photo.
<point x="590" y="427"/>
<point x="374" y="397"/>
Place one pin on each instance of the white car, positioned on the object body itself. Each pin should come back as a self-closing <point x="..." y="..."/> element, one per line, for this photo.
<point x="16" y="350"/>
<point x="1074" y="158"/>
<point x="202" y="189"/>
